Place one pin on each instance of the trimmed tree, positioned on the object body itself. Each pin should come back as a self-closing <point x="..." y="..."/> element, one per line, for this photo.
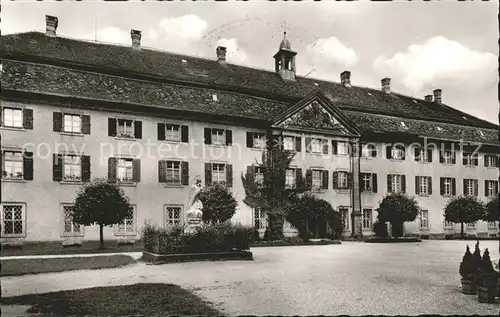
<point x="397" y="209"/>
<point x="463" y="209"/>
<point x="491" y="210"/>
<point x="218" y="202"/>
<point x="101" y="203"/>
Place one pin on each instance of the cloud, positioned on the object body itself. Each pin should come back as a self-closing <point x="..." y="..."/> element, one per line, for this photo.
<point x="439" y="61"/>
<point x="235" y="55"/>
<point x="331" y="49"/>
<point x="113" y="34"/>
<point x="189" y="27"/>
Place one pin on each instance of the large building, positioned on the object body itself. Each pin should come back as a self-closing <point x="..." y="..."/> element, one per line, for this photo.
<point x="74" y="110"/>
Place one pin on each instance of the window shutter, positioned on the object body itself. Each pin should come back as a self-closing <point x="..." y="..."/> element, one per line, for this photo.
<point x="476" y="187"/>
<point x="441" y="156"/>
<point x="388" y="152"/>
<point x="486" y="160"/>
<point x="136" y="173"/>
<point x="308" y="145"/>
<point x="441" y="185"/>
<point x="453" y="187"/>
<point x="403" y="149"/>
<point x="374" y="181"/>
<point x="309" y="178"/>
<point x="57" y="121"/>
<point x="112" y="162"/>
<point x="389" y="183"/>
<point x="161" y="131"/>
<point x="429" y="185"/>
<point x="28" y="119"/>
<point x="229" y="175"/>
<point x="325" y="147"/>
<point x="162" y="171"/>
<point x="403" y="183"/>
<point x="416" y="153"/>
<point x="374" y="151"/>
<point x="249" y="139"/>
<point x="350" y="183"/>
<point x="334" y="147"/>
<point x="453" y="157"/>
<point x="298" y="175"/>
<point x="185" y="173"/>
<point x="497" y="161"/>
<point x="325" y="179"/>
<point x="27" y="166"/>
<point x="496" y="187"/>
<point x="138" y="129"/>
<point x="184" y="133"/>
<point x="298" y="144"/>
<point x="229" y="137"/>
<point x="250" y="174"/>
<point x="465" y="187"/>
<point x="111" y="127"/>
<point x="429" y="155"/>
<point x="86" y="124"/>
<point x="475" y="160"/>
<point x="335" y="180"/>
<point x="486" y="188"/>
<point x="1" y="116"/>
<point x="208" y="171"/>
<point x="208" y="135"/>
<point x="417" y="185"/>
<point x="464" y="160"/>
<point x="57" y="167"/>
<point x="85" y="160"/>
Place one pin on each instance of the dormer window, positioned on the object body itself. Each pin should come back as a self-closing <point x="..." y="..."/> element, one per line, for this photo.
<point x="481" y="132"/>
<point x="403" y="125"/>
<point x="439" y="128"/>
<point x="214" y="97"/>
<point x="184" y="61"/>
<point x="288" y="64"/>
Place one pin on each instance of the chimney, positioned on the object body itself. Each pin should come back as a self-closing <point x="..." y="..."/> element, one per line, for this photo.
<point x="428" y="98"/>
<point x="345" y="78"/>
<point x="221" y="54"/>
<point x="136" y="38"/>
<point x="50" y="25"/>
<point x="386" y="85"/>
<point x="437" y="96"/>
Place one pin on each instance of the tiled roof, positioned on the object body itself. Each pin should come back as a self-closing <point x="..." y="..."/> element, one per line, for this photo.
<point x="204" y="71"/>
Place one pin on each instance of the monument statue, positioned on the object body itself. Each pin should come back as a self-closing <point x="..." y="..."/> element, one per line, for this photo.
<point x="194" y="213"/>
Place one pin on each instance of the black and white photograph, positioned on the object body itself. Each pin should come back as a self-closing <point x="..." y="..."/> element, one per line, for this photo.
<point x="227" y="158"/>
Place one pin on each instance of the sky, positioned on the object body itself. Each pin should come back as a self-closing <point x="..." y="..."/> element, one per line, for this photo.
<point x="421" y="46"/>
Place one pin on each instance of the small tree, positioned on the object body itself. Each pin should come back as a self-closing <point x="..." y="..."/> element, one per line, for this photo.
<point x="466" y="267"/>
<point x="218" y="202"/>
<point x="476" y="259"/>
<point x="102" y="203"/>
<point x="397" y="209"/>
<point x="491" y="210"/>
<point x="463" y="209"/>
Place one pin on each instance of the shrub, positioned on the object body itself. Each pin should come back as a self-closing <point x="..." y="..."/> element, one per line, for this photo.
<point x="476" y="259"/>
<point x="464" y="209"/>
<point x="466" y="267"/>
<point x="397" y="209"/>
<point x="218" y="202"/>
<point x="487" y="275"/>
<point x="255" y="235"/>
<point x="380" y="229"/>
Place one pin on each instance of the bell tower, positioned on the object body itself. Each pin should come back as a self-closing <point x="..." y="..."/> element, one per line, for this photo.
<point x="284" y="60"/>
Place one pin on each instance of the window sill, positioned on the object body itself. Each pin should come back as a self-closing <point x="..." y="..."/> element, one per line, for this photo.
<point x="72" y="235"/>
<point x="423" y="162"/>
<point x="448" y="164"/>
<point x="470" y="166"/>
<point x="125" y="234"/>
<point x="367" y="157"/>
<point x="424" y="229"/>
<point x="79" y="134"/>
<point x="258" y="149"/>
<point x="13" y="180"/>
<point x="449" y="229"/>
<point x="13" y="236"/>
<point x="424" y="195"/>
<point x="123" y="138"/>
<point x="127" y="184"/>
<point x="167" y="185"/>
<point x="492" y="167"/>
<point x="368" y="192"/>
<point x="318" y="190"/>
<point x="219" y="145"/>
<point x="69" y="182"/>
<point x="448" y="195"/>
<point x="13" y="129"/>
<point x="397" y="160"/>
<point x="343" y="190"/>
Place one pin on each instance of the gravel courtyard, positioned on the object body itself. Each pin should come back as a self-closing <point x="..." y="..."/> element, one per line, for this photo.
<point x="353" y="279"/>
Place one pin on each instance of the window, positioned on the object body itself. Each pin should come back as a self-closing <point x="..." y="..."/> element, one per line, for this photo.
<point x="448" y="224"/>
<point x="423" y="155"/>
<point x="259" y="218"/>
<point x="367" y="218"/>
<point x="218" y="173"/>
<point x="397" y="153"/>
<point x="172" y="215"/>
<point x="259" y="140"/>
<point x="12" y="117"/>
<point x="447" y="157"/>
<point x="397" y="181"/>
<point x="342" y="179"/>
<point x="424" y="219"/>
<point x="367" y="180"/>
<point x="316" y="146"/>
<point x="127" y="225"/>
<point x="492" y="224"/>
<point x="259" y="174"/>
<point x="369" y="150"/>
<point x="125" y="128"/>
<point x="218" y="136"/>
<point x="490" y="161"/>
<point x="72" y="123"/>
<point x="469" y="160"/>
<point x="491" y="188"/>
<point x="470" y="187"/>
<point x="342" y="148"/>
<point x="447" y="186"/>
<point x="424" y="184"/>
<point x="125" y="170"/>
<point x="317" y="179"/>
<point x="173" y="172"/>
<point x="172" y="132"/>
<point x="471" y="225"/>
<point x="290" y="178"/>
<point x="12" y="165"/>
<point x="14" y="217"/>
<point x="344" y="214"/>
<point x="289" y="143"/>
<point x="70" y="227"/>
<point x="72" y="168"/>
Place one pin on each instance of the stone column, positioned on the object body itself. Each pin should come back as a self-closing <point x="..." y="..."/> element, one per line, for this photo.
<point x="357" y="231"/>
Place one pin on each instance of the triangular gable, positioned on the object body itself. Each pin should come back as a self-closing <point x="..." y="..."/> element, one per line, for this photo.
<point x="316" y="113"/>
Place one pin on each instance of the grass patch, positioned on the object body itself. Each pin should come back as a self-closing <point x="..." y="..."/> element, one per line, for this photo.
<point x="137" y="299"/>
<point x="36" y="266"/>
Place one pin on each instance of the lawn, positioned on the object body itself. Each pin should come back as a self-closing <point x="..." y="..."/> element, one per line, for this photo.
<point x="36" y="266"/>
<point x="136" y="299"/>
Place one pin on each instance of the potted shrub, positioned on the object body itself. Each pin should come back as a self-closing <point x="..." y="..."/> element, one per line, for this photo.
<point x="466" y="271"/>
<point x="487" y="280"/>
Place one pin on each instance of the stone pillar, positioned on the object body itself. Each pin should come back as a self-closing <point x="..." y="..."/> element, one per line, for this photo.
<point x="357" y="229"/>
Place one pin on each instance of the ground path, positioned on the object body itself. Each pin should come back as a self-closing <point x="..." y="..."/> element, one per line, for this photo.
<point x="353" y="278"/>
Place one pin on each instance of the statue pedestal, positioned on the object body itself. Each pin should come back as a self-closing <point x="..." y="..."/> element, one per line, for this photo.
<point x="192" y="224"/>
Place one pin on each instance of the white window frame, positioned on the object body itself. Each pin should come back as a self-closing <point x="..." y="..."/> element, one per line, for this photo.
<point x="72" y="232"/>
<point x="259" y="219"/>
<point x="23" y="220"/>
<point x="119" y="165"/>
<point x="342" y="179"/>
<point x="69" y="168"/>
<point x="259" y="174"/>
<point x="290" y="178"/>
<point x="447" y="157"/>
<point x="344" y="215"/>
<point x="491" y="188"/>
<point x="72" y="117"/>
<point x="128" y="226"/>
<point x="397" y="183"/>
<point x="397" y="153"/>
<point x="490" y="161"/>
<point x="471" y="225"/>
<point x="424" y="185"/>
<point x="169" y="221"/>
<point x="170" y="170"/>
<point x="469" y="158"/>
<point x="423" y="155"/>
<point x="447" y="183"/>
<point x="342" y="148"/>
<point x="289" y="143"/>
<point x="125" y="134"/>
<point x="424" y="219"/>
<point x="12" y="123"/>
<point x="259" y="140"/>
<point x="492" y="225"/>
<point x="218" y="136"/>
<point x="367" y="220"/>
<point x="173" y="132"/>
<point x="367" y="182"/>
<point x="16" y="165"/>
<point x="469" y="189"/>
<point x="217" y="173"/>
<point x="367" y="150"/>
<point x="316" y="146"/>
<point x="316" y="179"/>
